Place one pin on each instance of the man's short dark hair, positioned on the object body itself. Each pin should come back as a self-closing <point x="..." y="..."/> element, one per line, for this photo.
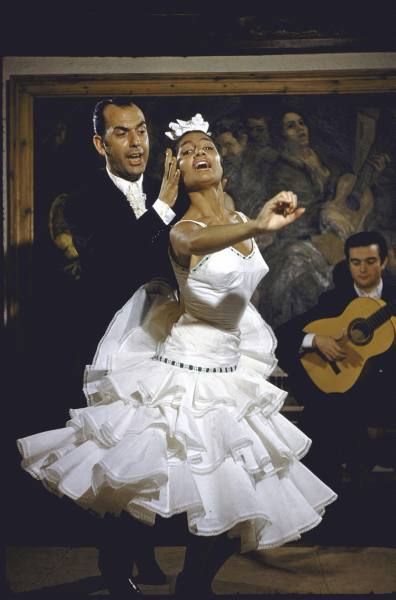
<point x="367" y="238"/>
<point x="98" y="117"/>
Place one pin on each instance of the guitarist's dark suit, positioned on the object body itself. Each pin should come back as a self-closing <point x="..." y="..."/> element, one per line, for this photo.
<point x="337" y="423"/>
<point x="117" y="252"/>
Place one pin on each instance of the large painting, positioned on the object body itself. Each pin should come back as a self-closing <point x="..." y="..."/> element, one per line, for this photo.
<point x="331" y="140"/>
<point x="337" y="153"/>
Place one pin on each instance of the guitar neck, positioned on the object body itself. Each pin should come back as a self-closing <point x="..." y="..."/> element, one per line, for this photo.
<point x="380" y="316"/>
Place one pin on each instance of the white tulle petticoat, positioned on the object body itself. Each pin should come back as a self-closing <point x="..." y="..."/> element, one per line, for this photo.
<point x="163" y="438"/>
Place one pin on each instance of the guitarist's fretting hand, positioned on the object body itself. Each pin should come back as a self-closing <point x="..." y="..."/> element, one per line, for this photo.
<point x="330" y="347"/>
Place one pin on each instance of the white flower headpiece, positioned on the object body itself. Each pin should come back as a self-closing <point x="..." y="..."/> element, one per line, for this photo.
<point x="196" y="123"/>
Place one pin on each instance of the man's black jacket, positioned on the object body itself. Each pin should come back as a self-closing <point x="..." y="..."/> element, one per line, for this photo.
<point x="117" y="252"/>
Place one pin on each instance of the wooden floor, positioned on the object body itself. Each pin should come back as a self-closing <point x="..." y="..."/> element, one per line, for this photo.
<point x="65" y="572"/>
<point x="352" y="553"/>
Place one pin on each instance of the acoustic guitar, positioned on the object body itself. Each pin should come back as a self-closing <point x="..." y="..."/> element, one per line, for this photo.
<point x="367" y="328"/>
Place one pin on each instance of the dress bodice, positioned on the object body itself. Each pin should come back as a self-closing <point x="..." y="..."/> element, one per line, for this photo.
<point x="218" y="289"/>
<point x="215" y="294"/>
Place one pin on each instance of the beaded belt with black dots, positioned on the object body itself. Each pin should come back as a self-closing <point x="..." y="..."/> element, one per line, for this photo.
<point x="175" y="363"/>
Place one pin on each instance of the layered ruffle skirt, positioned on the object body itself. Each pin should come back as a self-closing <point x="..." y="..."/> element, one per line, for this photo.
<point x="161" y="436"/>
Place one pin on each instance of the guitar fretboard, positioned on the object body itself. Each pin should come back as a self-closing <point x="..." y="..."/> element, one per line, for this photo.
<point x="380" y="316"/>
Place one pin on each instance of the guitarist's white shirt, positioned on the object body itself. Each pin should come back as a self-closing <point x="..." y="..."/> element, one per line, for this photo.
<point x="374" y="293"/>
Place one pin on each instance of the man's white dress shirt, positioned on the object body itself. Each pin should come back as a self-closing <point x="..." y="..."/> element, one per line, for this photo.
<point x="133" y="192"/>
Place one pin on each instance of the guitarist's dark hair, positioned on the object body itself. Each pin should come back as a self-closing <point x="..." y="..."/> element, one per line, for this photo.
<point x="367" y="238"/>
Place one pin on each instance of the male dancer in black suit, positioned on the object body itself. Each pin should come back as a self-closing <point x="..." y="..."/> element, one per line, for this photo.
<point x="339" y="424"/>
<point x="120" y="228"/>
<point x="118" y="220"/>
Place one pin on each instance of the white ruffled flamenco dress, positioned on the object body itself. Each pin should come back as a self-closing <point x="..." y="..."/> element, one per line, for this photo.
<point x="181" y="416"/>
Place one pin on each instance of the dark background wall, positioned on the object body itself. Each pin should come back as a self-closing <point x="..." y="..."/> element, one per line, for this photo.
<point x="178" y="28"/>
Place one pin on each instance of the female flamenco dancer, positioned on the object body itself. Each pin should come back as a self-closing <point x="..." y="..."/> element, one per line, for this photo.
<point x="181" y="417"/>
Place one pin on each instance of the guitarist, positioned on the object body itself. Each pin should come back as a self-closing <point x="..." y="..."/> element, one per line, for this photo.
<point x="340" y="423"/>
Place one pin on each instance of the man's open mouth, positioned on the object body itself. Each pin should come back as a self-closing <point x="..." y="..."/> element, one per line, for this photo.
<point x="135" y="156"/>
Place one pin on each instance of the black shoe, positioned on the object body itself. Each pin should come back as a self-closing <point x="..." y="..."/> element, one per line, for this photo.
<point x="123" y="588"/>
<point x="117" y="580"/>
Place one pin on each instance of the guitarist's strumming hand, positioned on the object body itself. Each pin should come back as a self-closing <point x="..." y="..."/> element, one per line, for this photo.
<point x="330" y="347"/>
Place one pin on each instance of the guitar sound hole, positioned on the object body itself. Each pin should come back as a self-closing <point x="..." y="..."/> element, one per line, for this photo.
<point x="359" y="332"/>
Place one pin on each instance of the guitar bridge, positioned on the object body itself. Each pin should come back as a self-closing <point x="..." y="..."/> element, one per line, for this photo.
<point x="335" y="367"/>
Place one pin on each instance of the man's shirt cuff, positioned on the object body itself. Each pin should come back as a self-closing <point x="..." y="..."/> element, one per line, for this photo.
<point x="164" y="211"/>
<point x="307" y="341"/>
